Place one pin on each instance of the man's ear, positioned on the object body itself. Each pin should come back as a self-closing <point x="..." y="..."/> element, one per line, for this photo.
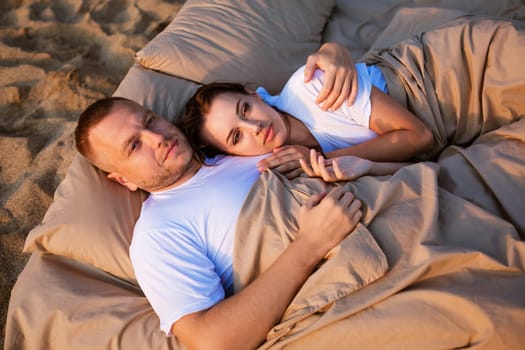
<point x="123" y="181"/>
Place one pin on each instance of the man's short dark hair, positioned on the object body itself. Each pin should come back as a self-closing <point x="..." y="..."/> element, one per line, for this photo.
<point x="90" y="117"/>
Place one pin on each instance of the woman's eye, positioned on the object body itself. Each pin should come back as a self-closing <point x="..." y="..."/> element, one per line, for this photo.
<point x="236" y="137"/>
<point x="245" y="108"/>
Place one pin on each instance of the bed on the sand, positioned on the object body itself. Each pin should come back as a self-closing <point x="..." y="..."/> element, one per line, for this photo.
<point x="437" y="262"/>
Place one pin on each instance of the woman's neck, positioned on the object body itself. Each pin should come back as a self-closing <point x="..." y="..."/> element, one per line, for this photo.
<point x="298" y="133"/>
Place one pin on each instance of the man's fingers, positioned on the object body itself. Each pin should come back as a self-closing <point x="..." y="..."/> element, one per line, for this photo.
<point x="357" y="216"/>
<point x="346" y="199"/>
<point x="355" y="204"/>
<point x="336" y="193"/>
<point x="313" y="200"/>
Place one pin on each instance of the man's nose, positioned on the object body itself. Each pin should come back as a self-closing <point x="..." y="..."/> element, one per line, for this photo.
<point x="152" y="138"/>
<point x="252" y="125"/>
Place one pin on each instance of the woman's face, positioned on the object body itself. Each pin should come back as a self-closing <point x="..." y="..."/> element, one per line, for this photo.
<point x="243" y="125"/>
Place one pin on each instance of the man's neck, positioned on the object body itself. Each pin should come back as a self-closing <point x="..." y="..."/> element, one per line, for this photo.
<point x="190" y="171"/>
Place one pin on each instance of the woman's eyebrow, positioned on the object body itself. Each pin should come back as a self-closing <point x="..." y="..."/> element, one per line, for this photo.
<point x="237" y="111"/>
<point x="238" y="107"/>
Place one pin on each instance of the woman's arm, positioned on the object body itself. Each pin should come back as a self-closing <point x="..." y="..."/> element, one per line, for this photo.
<point x="402" y="135"/>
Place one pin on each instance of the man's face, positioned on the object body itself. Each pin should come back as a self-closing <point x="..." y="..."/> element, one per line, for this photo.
<point x="141" y="150"/>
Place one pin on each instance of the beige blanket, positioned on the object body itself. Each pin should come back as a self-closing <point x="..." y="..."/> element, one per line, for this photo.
<point x="462" y="80"/>
<point x="438" y="261"/>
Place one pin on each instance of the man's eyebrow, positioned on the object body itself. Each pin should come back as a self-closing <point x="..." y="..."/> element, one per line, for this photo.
<point x="237" y="110"/>
<point x="125" y="145"/>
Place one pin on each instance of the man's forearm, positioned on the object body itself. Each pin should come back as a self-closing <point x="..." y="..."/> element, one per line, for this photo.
<point x="243" y="320"/>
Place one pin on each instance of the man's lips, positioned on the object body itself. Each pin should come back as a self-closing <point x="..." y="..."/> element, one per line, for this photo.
<point x="171" y="148"/>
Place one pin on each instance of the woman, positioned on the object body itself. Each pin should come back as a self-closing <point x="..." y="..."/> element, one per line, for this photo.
<point x="226" y="117"/>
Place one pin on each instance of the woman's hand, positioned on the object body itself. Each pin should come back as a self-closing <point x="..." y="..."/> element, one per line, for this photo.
<point x="346" y="168"/>
<point x="285" y="160"/>
<point x="340" y="78"/>
<point x="337" y="169"/>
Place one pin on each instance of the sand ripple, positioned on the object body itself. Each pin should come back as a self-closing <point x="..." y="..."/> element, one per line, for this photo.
<point x="56" y="57"/>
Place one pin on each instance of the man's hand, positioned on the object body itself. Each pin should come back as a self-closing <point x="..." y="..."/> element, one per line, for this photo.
<point x="285" y="160"/>
<point x="340" y="79"/>
<point x="337" y="169"/>
<point x="325" y="220"/>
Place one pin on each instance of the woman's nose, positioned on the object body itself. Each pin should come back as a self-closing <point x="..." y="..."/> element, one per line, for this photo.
<point x="252" y="125"/>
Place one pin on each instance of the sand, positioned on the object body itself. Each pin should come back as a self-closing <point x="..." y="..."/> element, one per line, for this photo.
<point x="56" y="57"/>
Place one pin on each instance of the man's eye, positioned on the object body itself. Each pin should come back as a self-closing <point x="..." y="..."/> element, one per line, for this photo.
<point x="134" y="146"/>
<point x="149" y="122"/>
<point x="236" y="137"/>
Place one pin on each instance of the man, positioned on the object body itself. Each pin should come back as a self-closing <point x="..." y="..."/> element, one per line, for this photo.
<point x="183" y="242"/>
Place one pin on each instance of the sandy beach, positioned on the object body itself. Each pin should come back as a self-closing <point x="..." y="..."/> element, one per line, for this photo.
<point x="56" y="57"/>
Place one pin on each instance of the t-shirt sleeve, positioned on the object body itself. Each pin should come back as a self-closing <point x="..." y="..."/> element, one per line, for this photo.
<point x="298" y="97"/>
<point x="359" y="111"/>
<point x="175" y="274"/>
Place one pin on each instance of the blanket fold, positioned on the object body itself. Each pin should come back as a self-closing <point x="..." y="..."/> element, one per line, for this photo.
<point x="446" y="256"/>
<point x="463" y="79"/>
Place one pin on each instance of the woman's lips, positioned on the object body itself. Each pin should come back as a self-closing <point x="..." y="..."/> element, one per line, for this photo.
<point x="269" y="134"/>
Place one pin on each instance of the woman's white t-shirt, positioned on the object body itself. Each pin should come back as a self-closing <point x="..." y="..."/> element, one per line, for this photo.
<point x="345" y="127"/>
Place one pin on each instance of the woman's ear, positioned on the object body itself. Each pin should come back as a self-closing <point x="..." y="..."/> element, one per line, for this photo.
<point x="123" y="181"/>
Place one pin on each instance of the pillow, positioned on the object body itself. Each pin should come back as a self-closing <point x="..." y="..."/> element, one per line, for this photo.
<point x="165" y="95"/>
<point x="357" y="24"/>
<point x="91" y="218"/>
<point x="260" y="42"/>
<point x="407" y="22"/>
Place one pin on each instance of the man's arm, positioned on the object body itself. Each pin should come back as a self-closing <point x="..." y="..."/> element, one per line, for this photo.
<point x="243" y="320"/>
<point x="340" y="78"/>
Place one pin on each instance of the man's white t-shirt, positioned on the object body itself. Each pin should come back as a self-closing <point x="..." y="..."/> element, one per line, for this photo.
<point x="345" y="127"/>
<point x="182" y="246"/>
